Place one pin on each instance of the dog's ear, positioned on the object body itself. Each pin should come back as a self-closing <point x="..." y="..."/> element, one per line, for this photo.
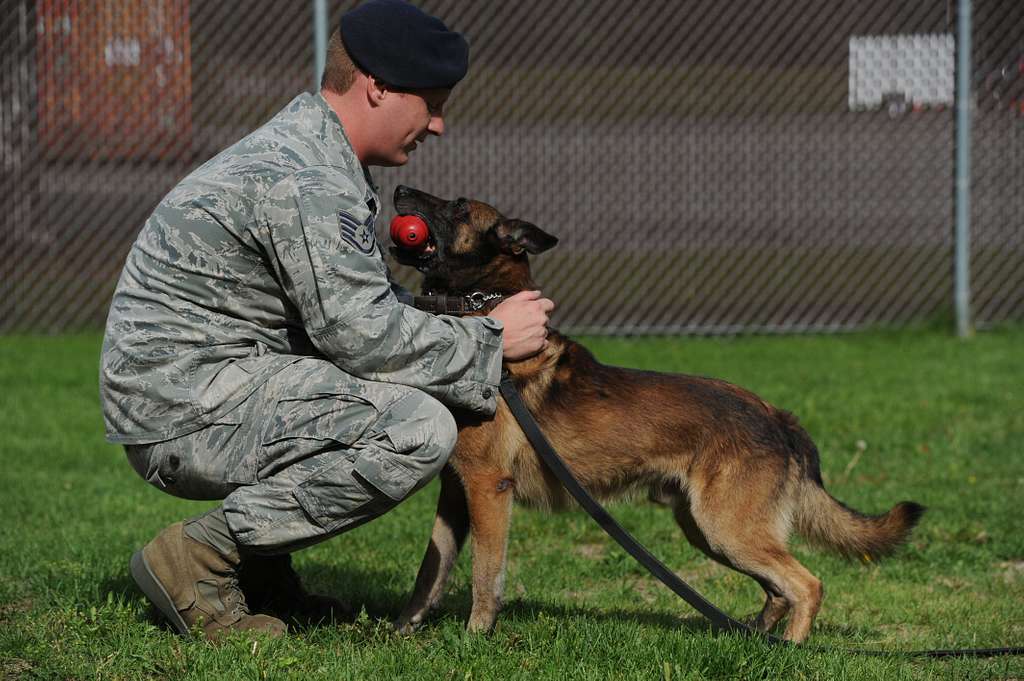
<point x="515" y="236"/>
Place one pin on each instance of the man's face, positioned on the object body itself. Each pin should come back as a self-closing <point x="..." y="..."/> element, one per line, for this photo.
<point x="409" y="117"/>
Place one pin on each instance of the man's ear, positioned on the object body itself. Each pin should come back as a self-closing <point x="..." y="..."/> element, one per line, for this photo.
<point x="375" y="91"/>
<point x="516" y="236"/>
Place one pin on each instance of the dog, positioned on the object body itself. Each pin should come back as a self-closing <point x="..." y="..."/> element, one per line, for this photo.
<point x="739" y="474"/>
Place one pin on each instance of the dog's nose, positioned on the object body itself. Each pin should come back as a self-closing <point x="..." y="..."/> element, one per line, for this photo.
<point x="401" y="190"/>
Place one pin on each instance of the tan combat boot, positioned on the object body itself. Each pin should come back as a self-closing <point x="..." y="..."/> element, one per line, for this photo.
<point x="190" y="583"/>
<point x="272" y="586"/>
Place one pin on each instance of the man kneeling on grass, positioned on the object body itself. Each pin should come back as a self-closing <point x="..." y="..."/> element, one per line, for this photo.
<point x="257" y="352"/>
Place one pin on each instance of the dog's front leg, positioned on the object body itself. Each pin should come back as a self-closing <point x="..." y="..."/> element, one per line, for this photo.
<point x="489" y="495"/>
<point x="451" y="525"/>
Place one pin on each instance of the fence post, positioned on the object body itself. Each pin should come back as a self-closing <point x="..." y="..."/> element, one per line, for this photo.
<point x="319" y="41"/>
<point x="962" y="199"/>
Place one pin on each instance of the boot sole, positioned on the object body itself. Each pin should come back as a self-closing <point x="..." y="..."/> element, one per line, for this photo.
<point x="155" y="592"/>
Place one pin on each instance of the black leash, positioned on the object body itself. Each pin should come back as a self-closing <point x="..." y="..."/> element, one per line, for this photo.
<point x="718" y="619"/>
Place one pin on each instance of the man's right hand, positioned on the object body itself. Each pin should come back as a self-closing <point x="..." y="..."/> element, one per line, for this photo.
<point x="525" y="317"/>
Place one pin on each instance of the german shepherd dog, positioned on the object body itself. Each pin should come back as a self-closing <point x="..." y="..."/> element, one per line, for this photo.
<point x="738" y="473"/>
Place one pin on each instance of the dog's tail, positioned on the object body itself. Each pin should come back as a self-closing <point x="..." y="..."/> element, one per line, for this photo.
<point x="828" y="522"/>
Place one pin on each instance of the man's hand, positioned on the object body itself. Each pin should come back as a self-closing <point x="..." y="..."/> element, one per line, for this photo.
<point x="525" y="316"/>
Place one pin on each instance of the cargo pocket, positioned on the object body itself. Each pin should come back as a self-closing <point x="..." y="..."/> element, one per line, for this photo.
<point x="336" y="418"/>
<point x="382" y="469"/>
<point x="339" y="496"/>
<point x="214" y="384"/>
<point x="199" y="466"/>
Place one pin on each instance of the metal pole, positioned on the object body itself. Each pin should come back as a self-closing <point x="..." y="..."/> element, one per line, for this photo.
<point x="963" y="170"/>
<point x="319" y="41"/>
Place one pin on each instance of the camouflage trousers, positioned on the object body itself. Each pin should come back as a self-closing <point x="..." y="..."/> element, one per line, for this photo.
<point x="314" y="452"/>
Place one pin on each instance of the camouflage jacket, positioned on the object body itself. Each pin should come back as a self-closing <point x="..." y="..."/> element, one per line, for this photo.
<point x="262" y="256"/>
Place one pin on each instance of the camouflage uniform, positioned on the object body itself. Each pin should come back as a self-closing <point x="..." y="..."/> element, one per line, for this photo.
<point x="257" y="351"/>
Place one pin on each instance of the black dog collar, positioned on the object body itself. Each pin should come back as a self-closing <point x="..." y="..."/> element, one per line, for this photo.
<point x="455" y="305"/>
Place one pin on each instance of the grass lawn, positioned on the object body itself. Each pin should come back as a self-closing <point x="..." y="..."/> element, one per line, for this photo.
<point x="897" y="415"/>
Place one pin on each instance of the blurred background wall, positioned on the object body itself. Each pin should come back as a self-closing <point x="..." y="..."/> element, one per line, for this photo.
<point x="709" y="166"/>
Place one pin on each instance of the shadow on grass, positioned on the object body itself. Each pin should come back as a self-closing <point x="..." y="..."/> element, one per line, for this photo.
<point x="385" y="603"/>
<point x="119" y="586"/>
<point x="692" y="623"/>
<point x="367" y="590"/>
<point x="528" y="609"/>
<point x="338" y="581"/>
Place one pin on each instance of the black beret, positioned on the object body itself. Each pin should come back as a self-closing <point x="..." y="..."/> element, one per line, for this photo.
<point x="403" y="46"/>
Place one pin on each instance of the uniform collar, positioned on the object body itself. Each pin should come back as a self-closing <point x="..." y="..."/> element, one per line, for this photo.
<point x="339" y="148"/>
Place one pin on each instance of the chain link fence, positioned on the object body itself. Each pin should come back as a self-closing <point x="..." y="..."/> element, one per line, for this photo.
<point x="709" y="166"/>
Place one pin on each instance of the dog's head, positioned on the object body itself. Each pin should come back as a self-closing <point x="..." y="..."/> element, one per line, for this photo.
<point x="472" y="247"/>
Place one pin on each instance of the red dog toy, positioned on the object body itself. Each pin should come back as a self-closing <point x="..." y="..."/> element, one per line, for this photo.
<point x="409" y="231"/>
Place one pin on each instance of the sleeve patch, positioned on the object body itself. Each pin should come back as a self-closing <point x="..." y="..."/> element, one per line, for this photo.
<point x="359" y="234"/>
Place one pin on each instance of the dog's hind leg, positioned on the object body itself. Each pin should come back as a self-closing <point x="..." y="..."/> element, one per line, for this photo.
<point x="754" y="549"/>
<point x="489" y="495"/>
<point x="775" y="607"/>
<point x="790" y="586"/>
<point x="451" y="525"/>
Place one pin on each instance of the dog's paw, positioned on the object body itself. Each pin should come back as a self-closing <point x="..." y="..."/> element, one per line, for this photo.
<point x="481" y="624"/>
<point x="406" y="626"/>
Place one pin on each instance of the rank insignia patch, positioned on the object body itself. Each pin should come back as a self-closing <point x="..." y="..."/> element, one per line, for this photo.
<point x="359" y="234"/>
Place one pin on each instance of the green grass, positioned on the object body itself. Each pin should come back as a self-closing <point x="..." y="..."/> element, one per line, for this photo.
<point x="897" y="415"/>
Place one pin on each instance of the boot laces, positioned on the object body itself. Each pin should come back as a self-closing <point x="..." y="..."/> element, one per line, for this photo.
<point x="235" y="597"/>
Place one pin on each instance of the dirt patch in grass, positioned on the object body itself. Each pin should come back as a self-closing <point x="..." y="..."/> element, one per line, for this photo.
<point x="10" y="610"/>
<point x="1012" y="570"/>
<point x="701" y="570"/>
<point x="592" y="551"/>
<point x="647" y="588"/>
<point x="14" y="668"/>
